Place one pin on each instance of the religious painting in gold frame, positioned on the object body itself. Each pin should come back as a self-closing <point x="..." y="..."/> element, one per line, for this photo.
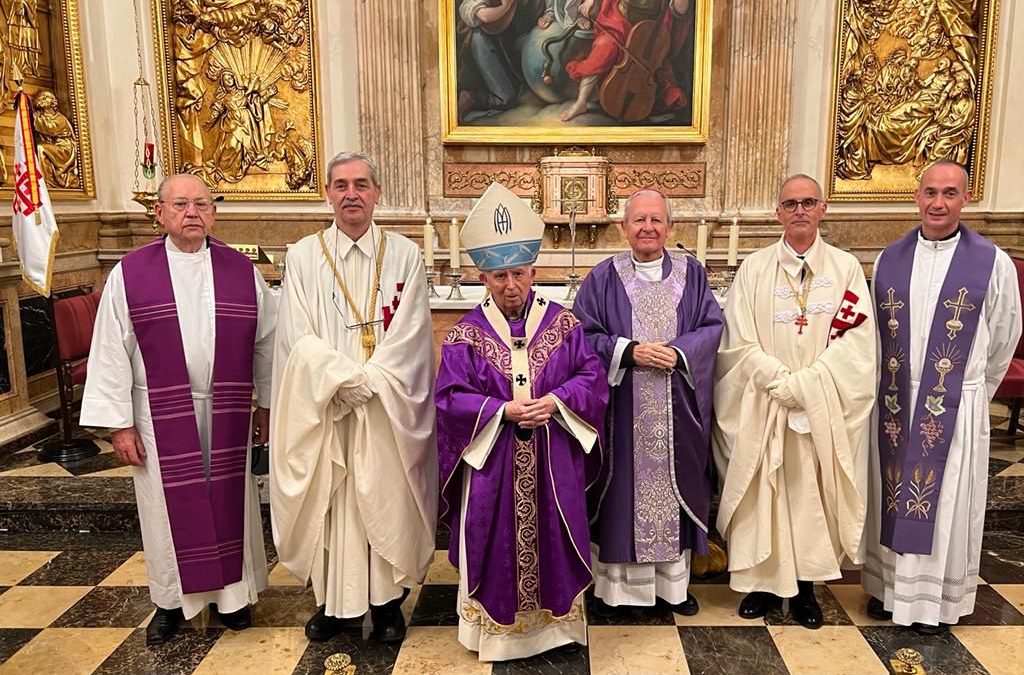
<point x="575" y="71"/>
<point x="41" y="42"/>
<point x="913" y="84"/>
<point x="238" y="96"/>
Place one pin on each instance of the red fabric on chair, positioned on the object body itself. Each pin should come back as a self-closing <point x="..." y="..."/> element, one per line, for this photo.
<point x="74" y="318"/>
<point x="1012" y="385"/>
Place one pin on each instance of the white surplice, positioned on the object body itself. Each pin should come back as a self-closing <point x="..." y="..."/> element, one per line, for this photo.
<point x="794" y="479"/>
<point x="941" y="587"/>
<point x="354" y="487"/>
<point x="116" y="397"/>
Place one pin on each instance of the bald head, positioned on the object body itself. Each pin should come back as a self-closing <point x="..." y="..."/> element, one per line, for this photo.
<point x="940" y="196"/>
<point x="180" y="178"/>
<point x="947" y="167"/>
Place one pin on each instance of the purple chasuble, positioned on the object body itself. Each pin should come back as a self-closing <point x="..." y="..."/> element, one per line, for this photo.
<point x="206" y="511"/>
<point x="527" y="546"/>
<point x="912" y="453"/>
<point x="652" y="499"/>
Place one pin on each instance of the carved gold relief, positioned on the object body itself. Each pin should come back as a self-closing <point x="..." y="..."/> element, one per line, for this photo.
<point x="40" y="44"/>
<point x="238" y="95"/>
<point x="912" y="85"/>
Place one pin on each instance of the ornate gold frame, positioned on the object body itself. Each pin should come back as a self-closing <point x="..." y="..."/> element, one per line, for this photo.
<point x="165" y="70"/>
<point x="988" y="35"/>
<point x="697" y="132"/>
<point x="75" y="92"/>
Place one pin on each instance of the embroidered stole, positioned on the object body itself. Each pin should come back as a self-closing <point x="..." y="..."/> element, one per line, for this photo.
<point x="656" y="517"/>
<point x="912" y="453"/>
<point x="206" y="511"/>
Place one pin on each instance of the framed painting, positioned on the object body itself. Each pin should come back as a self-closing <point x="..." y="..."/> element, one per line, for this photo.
<point x="575" y="71"/>
<point x="913" y="84"/>
<point x="41" y="45"/>
<point x="238" y="96"/>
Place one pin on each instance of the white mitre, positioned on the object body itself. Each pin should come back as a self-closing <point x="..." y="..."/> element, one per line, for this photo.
<point x="502" y="231"/>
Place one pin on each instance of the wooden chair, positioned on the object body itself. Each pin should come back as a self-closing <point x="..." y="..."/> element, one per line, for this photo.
<point x="73" y="320"/>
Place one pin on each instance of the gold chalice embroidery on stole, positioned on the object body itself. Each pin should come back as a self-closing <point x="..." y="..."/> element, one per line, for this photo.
<point x="893" y="365"/>
<point x="955" y="325"/>
<point x="944" y="359"/>
<point x="891" y="306"/>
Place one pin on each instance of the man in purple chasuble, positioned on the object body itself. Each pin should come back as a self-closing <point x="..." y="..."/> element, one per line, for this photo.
<point x="793" y="394"/>
<point x="520" y="398"/>
<point x="653" y="321"/>
<point x="184" y="332"/>
<point x="948" y="308"/>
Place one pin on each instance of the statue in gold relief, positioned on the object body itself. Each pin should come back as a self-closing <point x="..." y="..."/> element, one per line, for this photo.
<point x="242" y="100"/>
<point x="56" y="142"/>
<point x="908" y="88"/>
<point x="23" y="35"/>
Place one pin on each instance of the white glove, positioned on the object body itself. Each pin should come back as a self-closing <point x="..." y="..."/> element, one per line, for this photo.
<point x="354" y="396"/>
<point x="780" y="391"/>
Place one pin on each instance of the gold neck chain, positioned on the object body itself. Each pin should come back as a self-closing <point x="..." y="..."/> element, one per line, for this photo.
<point x="801" y="297"/>
<point x="369" y="340"/>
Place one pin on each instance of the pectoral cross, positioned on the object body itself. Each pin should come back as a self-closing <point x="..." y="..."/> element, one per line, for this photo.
<point x="891" y="306"/>
<point x="959" y="305"/>
<point x="801" y="321"/>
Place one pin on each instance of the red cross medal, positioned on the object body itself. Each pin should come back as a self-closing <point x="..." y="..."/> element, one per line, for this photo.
<point x="801" y="321"/>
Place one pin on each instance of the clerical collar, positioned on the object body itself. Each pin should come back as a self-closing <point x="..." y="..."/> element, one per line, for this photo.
<point x="171" y="248"/>
<point x="792" y="262"/>
<point x="949" y="237"/>
<point x="650" y="264"/>
<point x="366" y="243"/>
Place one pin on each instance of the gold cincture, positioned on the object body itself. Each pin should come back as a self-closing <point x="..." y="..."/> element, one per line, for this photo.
<point x="369" y="340"/>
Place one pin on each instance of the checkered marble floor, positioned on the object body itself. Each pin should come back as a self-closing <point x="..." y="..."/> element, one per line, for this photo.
<point x="77" y="603"/>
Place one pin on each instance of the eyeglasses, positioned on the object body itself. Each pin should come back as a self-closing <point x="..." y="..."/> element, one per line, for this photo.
<point x="202" y="205"/>
<point x="790" y="205"/>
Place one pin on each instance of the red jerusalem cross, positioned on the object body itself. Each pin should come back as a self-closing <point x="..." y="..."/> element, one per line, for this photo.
<point x="847" y="311"/>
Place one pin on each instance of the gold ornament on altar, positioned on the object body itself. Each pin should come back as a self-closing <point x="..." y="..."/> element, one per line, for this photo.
<point x="913" y="84"/>
<point x="238" y="90"/>
<point x="575" y="189"/>
<point x="41" y="53"/>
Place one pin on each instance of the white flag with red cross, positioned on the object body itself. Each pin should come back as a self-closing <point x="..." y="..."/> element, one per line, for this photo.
<point x="35" y="228"/>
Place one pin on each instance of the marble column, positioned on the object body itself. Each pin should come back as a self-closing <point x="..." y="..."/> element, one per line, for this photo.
<point x="758" y="110"/>
<point x="391" y="98"/>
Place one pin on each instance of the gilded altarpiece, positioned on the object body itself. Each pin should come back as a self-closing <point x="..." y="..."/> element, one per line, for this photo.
<point x="41" y="45"/>
<point x="913" y="84"/>
<point x="238" y="95"/>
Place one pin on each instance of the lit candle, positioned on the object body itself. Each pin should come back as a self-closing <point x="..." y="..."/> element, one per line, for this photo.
<point x="702" y="242"/>
<point x="734" y="241"/>
<point x="428" y="242"/>
<point x="453" y="243"/>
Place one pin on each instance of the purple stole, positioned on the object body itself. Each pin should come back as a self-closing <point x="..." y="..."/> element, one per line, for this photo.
<point x="656" y="519"/>
<point x="912" y="454"/>
<point x="206" y="513"/>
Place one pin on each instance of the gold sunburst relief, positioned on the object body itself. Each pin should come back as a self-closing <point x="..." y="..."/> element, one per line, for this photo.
<point x="238" y="96"/>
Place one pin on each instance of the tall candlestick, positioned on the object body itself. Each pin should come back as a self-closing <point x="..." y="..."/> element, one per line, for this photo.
<point x="702" y="242"/>
<point x="428" y="242"/>
<point x="453" y="243"/>
<point x="734" y="241"/>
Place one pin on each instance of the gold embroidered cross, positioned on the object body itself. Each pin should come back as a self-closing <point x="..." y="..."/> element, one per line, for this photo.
<point x="959" y="305"/>
<point x="891" y="306"/>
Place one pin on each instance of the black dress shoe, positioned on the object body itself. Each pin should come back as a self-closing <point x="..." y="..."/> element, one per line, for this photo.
<point x="603" y="610"/>
<point x="388" y="622"/>
<point x="321" y="627"/>
<point x="805" y="610"/>
<point x="757" y="604"/>
<point x="164" y="624"/>
<point x="237" y="620"/>
<point x="876" y="610"/>
<point x="688" y="607"/>
<point x="929" y="630"/>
